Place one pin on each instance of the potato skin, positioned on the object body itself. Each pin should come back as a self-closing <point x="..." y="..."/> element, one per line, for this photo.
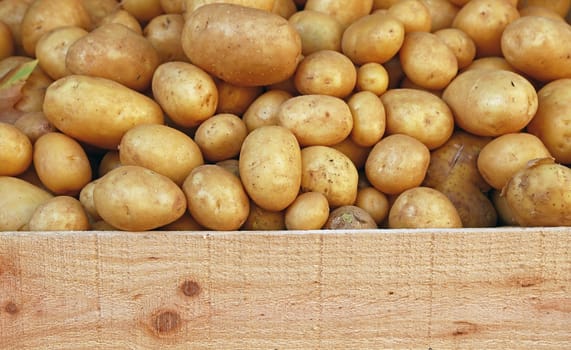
<point x="318" y="31"/>
<point x="241" y="45"/>
<point x="61" y="213"/>
<point x="16" y="150"/>
<point x="309" y="211"/>
<point x="18" y="200"/>
<point x="349" y="217"/>
<point x="52" y="48"/>
<point x="97" y="111"/>
<point x="344" y="11"/>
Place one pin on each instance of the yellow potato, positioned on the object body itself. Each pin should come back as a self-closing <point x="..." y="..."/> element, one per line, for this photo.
<point x="115" y="52"/>
<point x="331" y="173"/>
<point x="185" y="223"/>
<point x="427" y="60"/>
<point x="52" y="48"/>
<point x="396" y="163"/>
<point x="309" y="211"/>
<point x="540" y="11"/>
<point x="423" y="207"/>
<point x="187" y="94"/>
<point x="260" y="219"/>
<point x="235" y="99"/>
<point x="241" y="45"/>
<point x="15" y="150"/>
<point x="349" y="217"/>
<point x="369" y="118"/>
<point x="372" y="77"/>
<point x="318" y="31"/>
<point x="122" y="17"/>
<point x="383" y="4"/>
<point x="143" y="10"/>
<point x="373" y="202"/>
<point x="505" y="155"/>
<point x="561" y="7"/>
<point x="220" y="137"/>
<point x="7" y="47"/>
<point x="414" y="15"/>
<point x="133" y="198"/>
<point x="98" y="9"/>
<point x="316" y="119"/>
<point x="61" y="213"/>
<point x="164" y="33"/>
<point x="109" y="161"/>
<point x="460" y="43"/>
<point x="270" y="163"/>
<point x="326" y="72"/>
<point x="162" y="149"/>
<point x="505" y="215"/>
<point x="11" y="13"/>
<point x="264" y="109"/>
<point x="419" y="114"/>
<point x="266" y="5"/>
<point x="357" y="154"/>
<point x="97" y="111"/>
<point x="216" y="198"/>
<point x="173" y="6"/>
<point x="284" y="8"/>
<point x="34" y="125"/>
<point x="18" y="200"/>
<point x="442" y="13"/>
<point x="61" y="163"/>
<point x="491" y="102"/>
<point x="344" y="11"/>
<point x="491" y="62"/>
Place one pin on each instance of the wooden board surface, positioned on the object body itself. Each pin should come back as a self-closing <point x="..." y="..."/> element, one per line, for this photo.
<point x="468" y="289"/>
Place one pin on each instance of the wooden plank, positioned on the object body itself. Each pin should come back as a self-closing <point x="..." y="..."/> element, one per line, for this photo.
<point x="441" y="289"/>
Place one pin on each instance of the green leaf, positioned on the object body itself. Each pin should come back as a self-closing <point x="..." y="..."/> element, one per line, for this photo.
<point x="20" y="75"/>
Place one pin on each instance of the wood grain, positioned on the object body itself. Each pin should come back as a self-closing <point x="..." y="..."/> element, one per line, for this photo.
<point x="439" y="289"/>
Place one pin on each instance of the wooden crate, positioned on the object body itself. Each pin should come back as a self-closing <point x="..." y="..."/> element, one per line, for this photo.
<point x="502" y="288"/>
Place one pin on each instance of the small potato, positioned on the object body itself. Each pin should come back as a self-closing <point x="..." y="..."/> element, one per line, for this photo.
<point x="187" y="94"/>
<point x="349" y="217"/>
<point x="357" y="154"/>
<point x="284" y="8"/>
<point x="97" y="111"/>
<point x="460" y="43"/>
<point x="373" y="38"/>
<point x="133" y="198"/>
<point x="45" y="15"/>
<point x="162" y="149"/>
<point x="216" y="198"/>
<point x="491" y="102"/>
<point x="15" y="150"/>
<point x="419" y="114"/>
<point x="143" y="10"/>
<point x="345" y="11"/>
<point x="270" y="163"/>
<point x="185" y="223"/>
<point x="442" y="13"/>
<point x="51" y="50"/>
<point x="34" y="125"/>
<point x="505" y="215"/>
<point x="164" y="33"/>
<point x="423" y="207"/>
<point x="318" y="31"/>
<point x="109" y="161"/>
<point x="373" y="202"/>
<point x="260" y="219"/>
<point x="231" y="165"/>
<point x="98" y="9"/>
<point x="122" y="17"/>
<point x="396" y="163"/>
<point x="114" y="52"/>
<point x="484" y="21"/>
<point x="316" y="119"/>
<point x="241" y="45"/>
<point x="18" y="201"/>
<point x="505" y="155"/>
<point x="264" y="109"/>
<point x="540" y="11"/>
<point x="87" y="201"/>
<point x="173" y="6"/>
<point x="491" y="62"/>
<point x="220" y="137"/>
<point x="414" y="15"/>
<point x="331" y="173"/>
<point x="61" y="213"/>
<point x="372" y="77"/>
<point x="61" y="163"/>
<point x="561" y="7"/>
<point x="309" y="211"/>
<point x="427" y="60"/>
<point x="383" y="4"/>
<point x="7" y="47"/>
<point x="369" y="118"/>
<point x="326" y="72"/>
<point x="235" y="99"/>
<point x="395" y="71"/>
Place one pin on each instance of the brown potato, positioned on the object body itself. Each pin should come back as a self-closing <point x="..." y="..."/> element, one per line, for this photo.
<point x="414" y="15"/>
<point x="369" y="118"/>
<point x="326" y="72"/>
<point x="344" y="11"/>
<point x="109" y="161"/>
<point x="235" y="99"/>
<point x="7" y="47"/>
<point x="260" y="219"/>
<point x="373" y="202"/>
<point x="231" y="165"/>
<point x="164" y="33"/>
<point x="52" y="48"/>
<point x="349" y="217"/>
<point x="220" y="137"/>
<point x="505" y="215"/>
<point x="98" y="9"/>
<point x="16" y="150"/>
<point x="122" y="17"/>
<point x="491" y="62"/>
<point x="372" y="77"/>
<point x="284" y="8"/>
<point x="264" y="109"/>
<point x="442" y="13"/>
<point x="460" y="43"/>
<point x="309" y="211"/>
<point x="34" y="125"/>
<point x="357" y="154"/>
<point x="266" y="5"/>
<point x="18" y="200"/>
<point x="539" y="11"/>
<point x="216" y="198"/>
<point x="318" y="31"/>
<point x="61" y="213"/>
<point x="143" y="10"/>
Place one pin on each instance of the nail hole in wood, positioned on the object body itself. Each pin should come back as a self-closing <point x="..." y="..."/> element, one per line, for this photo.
<point x="190" y="288"/>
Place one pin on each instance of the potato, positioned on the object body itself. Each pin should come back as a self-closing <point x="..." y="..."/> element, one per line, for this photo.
<point x="15" y="150"/>
<point x="98" y="9"/>
<point x="419" y="114"/>
<point x="133" y="198"/>
<point x="344" y="11"/>
<point x="235" y="99"/>
<point x="173" y="6"/>
<point x="270" y="163"/>
<point x="331" y="173"/>
<point x="414" y="15"/>
<point x="185" y="223"/>
<point x="11" y="13"/>
<point x="552" y="122"/>
<point x="423" y="207"/>
<point x="164" y="33"/>
<point x="216" y="198"/>
<point x="539" y="11"/>
<point x="18" y="200"/>
<point x="231" y="165"/>
<point x="61" y="213"/>
<point x="34" y="125"/>
<point x="460" y="43"/>
<point x="383" y="4"/>
<point x="326" y="72"/>
<point x="369" y="118"/>
<point x="491" y="102"/>
<point x="357" y="154"/>
<point x="372" y="77"/>
<point x="373" y="202"/>
<point x="264" y="109"/>
<point x="61" y="163"/>
<point x="45" y="15"/>
<point x="115" y="52"/>
<point x="491" y="62"/>
<point x="241" y="45"/>
<point x="373" y="38"/>
<point x="97" y="111"/>
<point x="309" y="211"/>
<point x="52" y="48"/>
<point x="162" y="149"/>
<point x="266" y="5"/>
<point x="220" y="137"/>
<point x="561" y="7"/>
<point x="7" y="47"/>
<point x="484" y="21"/>
<point x="427" y="60"/>
<point x="349" y="217"/>
<point x="109" y="161"/>
<point x="284" y="8"/>
<point x="505" y="215"/>
<point x="143" y="10"/>
<point x="318" y="31"/>
<point x="502" y="157"/>
<point x="123" y="17"/>
<point x="87" y="201"/>
<point x="260" y="219"/>
<point x="539" y="195"/>
<point x="396" y="163"/>
<point x="442" y="13"/>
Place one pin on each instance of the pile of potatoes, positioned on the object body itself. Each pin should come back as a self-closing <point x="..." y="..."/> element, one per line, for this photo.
<point x="285" y="114"/>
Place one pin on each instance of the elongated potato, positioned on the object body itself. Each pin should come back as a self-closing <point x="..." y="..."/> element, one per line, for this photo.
<point x="241" y="45"/>
<point x="97" y="111"/>
<point x="18" y="200"/>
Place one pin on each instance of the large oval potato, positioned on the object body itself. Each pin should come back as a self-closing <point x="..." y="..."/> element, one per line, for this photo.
<point x="52" y="48"/>
<point x="241" y="45"/>
<point x="7" y="47"/>
<point x="18" y="201"/>
<point x="164" y="33"/>
<point x="97" y="111"/>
